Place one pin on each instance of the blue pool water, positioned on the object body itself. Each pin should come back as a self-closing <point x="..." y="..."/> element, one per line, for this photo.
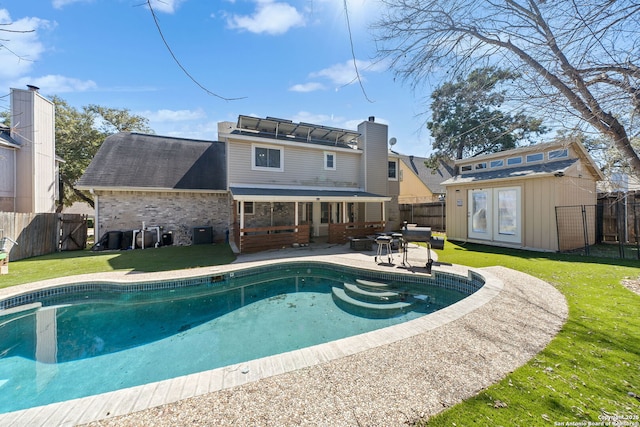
<point x="100" y="339"/>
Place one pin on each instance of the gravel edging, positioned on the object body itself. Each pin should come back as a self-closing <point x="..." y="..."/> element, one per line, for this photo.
<point x="393" y="384"/>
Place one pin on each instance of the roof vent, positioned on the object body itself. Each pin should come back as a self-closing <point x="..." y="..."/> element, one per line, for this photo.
<point x="33" y="88"/>
<point x="372" y="118"/>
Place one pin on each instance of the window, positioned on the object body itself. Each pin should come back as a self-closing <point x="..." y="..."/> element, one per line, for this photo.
<point x="465" y="168"/>
<point x="514" y="161"/>
<point x="248" y="208"/>
<point x="482" y="165"/>
<point x="497" y="163"/>
<point x="537" y="157"/>
<point x="393" y="170"/>
<point x="267" y="158"/>
<point x="558" y="154"/>
<point x="324" y="212"/>
<point x="329" y="161"/>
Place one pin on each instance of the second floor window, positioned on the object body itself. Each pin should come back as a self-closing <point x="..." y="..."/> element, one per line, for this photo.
<point x="267" y="158"/>
<point x="393" y="170"/>
<point x="329" y="161"/>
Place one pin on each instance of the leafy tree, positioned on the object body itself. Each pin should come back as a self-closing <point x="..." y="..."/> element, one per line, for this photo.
<point x="467" y="120"/>
<point x="578" y="59"/>
<point x="79" y="135"/>
<point x="5" y="118"/>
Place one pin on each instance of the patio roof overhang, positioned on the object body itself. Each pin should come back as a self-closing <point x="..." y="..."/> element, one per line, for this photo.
<point x="304" y="195"/>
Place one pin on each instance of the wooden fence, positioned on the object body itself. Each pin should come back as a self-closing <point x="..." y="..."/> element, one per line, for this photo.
<point x="619" y="217"/>
<point x="425" y="215"/>
<point x="42" y="233"/>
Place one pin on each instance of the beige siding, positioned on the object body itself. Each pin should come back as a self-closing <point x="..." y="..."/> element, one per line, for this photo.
<point x="302" y="167"/>
<point x="538" y="221"/>
<point x="412" y="189"/>
<point x="34" y="129"/>
<point x="7" y="179"/>
<point x="456" y="211"/>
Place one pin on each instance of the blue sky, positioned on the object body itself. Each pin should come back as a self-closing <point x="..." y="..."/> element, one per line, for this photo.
<point x="289" y="59"/>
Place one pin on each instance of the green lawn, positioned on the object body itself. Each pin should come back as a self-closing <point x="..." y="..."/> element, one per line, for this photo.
<point x="589" y="372"/>
<point x="149" y="260"/>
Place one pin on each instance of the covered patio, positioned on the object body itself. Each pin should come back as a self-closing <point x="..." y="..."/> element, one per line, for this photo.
<point x="268" y="218"/>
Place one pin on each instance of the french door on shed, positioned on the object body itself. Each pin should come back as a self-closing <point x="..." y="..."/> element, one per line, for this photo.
<point x="495" y="214"/>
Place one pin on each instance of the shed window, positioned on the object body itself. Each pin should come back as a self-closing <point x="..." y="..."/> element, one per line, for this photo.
<point x="267" y="158"/>
<point x="558" y="154"/>
<point x="482" y="165"/>
<point x="537" y="157"/>
<point x="497" y="163"/>
<point x="465" y="168"/>
<point x="514" y="161"/>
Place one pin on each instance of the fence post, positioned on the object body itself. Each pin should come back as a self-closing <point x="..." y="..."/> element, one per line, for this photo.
<point x="585" y="229"/>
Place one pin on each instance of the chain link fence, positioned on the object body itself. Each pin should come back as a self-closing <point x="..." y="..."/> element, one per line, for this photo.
<point x="609" y="229"/>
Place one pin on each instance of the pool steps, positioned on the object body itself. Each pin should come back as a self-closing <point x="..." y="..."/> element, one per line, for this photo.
<point x="374" y="299"/>
<point x="370" y="296"/>
<point x="390" y="308"/>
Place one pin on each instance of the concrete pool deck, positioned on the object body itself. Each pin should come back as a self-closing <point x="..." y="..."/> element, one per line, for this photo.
<point x="386" y="377"/>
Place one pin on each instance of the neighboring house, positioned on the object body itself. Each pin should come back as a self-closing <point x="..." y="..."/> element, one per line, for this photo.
<point x="28" y="163"/>
<point x="421" y="184"/>
<point x="266" y="183"/>
<point x="510" y="198"/>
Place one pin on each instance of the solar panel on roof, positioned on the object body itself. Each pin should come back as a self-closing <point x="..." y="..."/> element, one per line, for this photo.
<point x="288" y="128"/>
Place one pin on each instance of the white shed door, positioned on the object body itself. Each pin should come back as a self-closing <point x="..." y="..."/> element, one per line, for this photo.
<point x="495" y="214"/>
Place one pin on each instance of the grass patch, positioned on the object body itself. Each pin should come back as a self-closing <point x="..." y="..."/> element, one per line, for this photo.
<point x="148" y="260"/>
<point x="591" y="369"/>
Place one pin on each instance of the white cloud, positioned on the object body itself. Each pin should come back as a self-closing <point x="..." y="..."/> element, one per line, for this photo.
<point x="57" y="84"/>
<point x="269" y="17"/>
<point x="345" y="73"/>
<point x="59" y="4"/>
<point x="173" y="115"/>
<point x="165" y="6"/>
<point x="18" y="49"/>
<point x="307" y="87"/>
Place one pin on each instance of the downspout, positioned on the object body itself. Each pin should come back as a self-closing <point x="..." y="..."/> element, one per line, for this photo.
<point x="96" y="220"/>
<point x="15" y="180"/>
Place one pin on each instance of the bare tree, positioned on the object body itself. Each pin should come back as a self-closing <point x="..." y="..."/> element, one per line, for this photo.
<point x="579" y="56"/>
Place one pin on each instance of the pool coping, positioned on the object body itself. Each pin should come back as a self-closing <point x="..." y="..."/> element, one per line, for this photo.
<point x="138" y="398"/>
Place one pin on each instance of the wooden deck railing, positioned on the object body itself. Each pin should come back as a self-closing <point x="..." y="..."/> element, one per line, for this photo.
<point x="258" y="239"/>
<point x="343" y="232"/>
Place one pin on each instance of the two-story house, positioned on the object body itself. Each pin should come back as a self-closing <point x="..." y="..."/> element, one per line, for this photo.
<point x="28" y="164"/>
<point x="265" y="183"/>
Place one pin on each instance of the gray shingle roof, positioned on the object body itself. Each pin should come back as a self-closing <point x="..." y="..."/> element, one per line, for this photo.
<point x="133" y="160"/>
<point x="541" y="169"/>
<point x="432" y="179"/>
<point x="6" y="139"/>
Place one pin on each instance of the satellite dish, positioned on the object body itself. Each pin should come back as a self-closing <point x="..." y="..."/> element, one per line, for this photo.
<point x="392" y="142"/>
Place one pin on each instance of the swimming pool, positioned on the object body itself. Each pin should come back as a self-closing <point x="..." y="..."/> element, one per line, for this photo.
<point x="94" y="337"/>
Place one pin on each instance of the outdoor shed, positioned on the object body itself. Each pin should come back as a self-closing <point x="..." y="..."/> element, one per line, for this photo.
<point x="540" y="197"/>
<point x="178" y="185"/>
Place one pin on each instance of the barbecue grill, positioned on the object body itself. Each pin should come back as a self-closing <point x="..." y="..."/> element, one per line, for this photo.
<point x="420" y="234"/>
